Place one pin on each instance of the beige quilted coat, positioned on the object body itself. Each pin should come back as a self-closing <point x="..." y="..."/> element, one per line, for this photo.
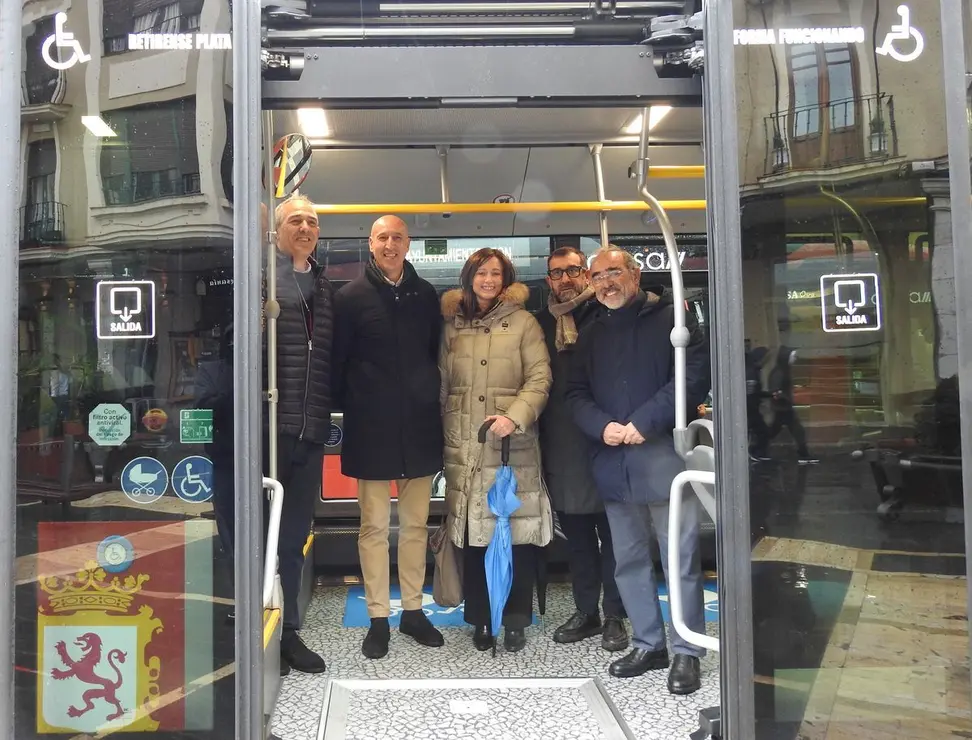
<point x="497" y="364"/>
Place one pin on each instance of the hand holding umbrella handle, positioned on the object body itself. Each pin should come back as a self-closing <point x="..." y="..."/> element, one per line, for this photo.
<point x="505" y="445"/>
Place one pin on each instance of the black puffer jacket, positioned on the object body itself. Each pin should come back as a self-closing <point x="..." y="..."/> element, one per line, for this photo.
<point x="386" y="379"/>
<point x="304" y="355"/>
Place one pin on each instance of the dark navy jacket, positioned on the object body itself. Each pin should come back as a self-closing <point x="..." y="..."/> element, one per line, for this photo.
<point x="624" y="371"/>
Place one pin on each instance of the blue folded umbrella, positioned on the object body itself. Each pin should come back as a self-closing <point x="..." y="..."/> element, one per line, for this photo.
<point x="502" y="501"/>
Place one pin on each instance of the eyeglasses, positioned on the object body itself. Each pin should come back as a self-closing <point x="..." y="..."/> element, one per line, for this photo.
<point x="613" y="274"/>
<point x="558" y="272"/>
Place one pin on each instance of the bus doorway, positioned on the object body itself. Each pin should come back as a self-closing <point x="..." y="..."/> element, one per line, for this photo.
<point x="522" y="161"/>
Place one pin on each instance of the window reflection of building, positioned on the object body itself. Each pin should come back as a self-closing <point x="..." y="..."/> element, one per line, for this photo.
<point x="845" y="146"/>
<point x="122" y="17"/>
<point x="42" y="216"/>
<point x="824" y="104"/>
<point x="153" y="201"/>
<point x="154" y="154"/>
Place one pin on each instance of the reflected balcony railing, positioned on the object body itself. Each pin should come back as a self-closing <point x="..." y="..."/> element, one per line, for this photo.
<point x="42" y="223"/>
<point x="42" y="86"/>
<point x="839" y="133"/>
<point x="189" y="23"/>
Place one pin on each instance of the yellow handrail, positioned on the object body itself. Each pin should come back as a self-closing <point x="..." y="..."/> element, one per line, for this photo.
<point x="688" y="171"/>
<point x="356" y="209"/>
<point x="537" y="207"/>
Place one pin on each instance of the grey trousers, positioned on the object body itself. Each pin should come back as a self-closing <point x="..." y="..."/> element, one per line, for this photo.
<point x="631" y="529"/>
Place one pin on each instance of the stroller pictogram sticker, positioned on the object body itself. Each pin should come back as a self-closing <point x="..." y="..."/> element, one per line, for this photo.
<point x="144" y="480"/>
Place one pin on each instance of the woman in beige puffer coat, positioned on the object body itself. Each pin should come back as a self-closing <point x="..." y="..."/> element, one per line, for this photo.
<point x="494" y="367"/>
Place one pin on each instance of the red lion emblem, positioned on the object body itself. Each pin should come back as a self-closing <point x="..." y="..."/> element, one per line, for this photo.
<point x="84" y="670"/>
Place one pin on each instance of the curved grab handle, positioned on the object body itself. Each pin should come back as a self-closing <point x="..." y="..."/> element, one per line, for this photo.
<point x="504" y="445"/>
<point x="275" y="494"/>
<point x="674" y="558"/>
<point x="680" y="334"/>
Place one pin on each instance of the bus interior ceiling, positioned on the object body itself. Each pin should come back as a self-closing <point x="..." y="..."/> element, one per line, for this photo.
<point x="491" y="154"/>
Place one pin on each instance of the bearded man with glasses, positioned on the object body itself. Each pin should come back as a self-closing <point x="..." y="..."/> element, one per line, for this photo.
<point x="621" y="390"/>
<point x="566" y="463"/>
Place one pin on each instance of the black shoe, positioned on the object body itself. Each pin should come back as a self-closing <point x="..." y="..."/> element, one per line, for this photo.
<point x="578" y="627"/>
<point x="298" y="656"/>
<point x="514" y="640"/>
<point x="482" y="638"/>
<point x="417" y="626"/>
<point x="639" y="661"/>
<point x="284" y="668"/>
<point x="615" y="636"/>
<point x="375" y="644"/>
<point x="684" y="678"/>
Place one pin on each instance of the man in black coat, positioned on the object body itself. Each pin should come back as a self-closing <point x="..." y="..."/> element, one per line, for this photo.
<point x="387" y="332"/>
<point x="304" y="337"/>
<point x="566" y="463"/>
<point x="622" y="393"/>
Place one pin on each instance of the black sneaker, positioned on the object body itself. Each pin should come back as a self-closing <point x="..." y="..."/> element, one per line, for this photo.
<point x="578" y="627"/>
<point x="375" y="644"/>
<point x="615" y="636"/>
<point x="298" y="656"/>
<point x="417" y="626"/>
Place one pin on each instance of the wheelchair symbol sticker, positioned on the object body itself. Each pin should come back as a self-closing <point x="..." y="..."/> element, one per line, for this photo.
<point x="905" y="33"/>
<point x="115" y="554"/>
<point x="63" y="39"/>
<point x="192" y="479"/>
<point x="144" y="480"/>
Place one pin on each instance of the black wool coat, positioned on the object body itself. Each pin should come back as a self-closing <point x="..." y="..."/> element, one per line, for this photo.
<point x="386" y="376"/>
<point x="564" y="448"/>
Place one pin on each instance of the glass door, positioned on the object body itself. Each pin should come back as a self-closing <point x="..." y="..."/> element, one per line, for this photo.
<point x="124" y="408"/>
<point x="853" y="330"/>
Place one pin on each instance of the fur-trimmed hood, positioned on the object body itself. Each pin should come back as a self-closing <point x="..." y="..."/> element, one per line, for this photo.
<point x="516" y="295"/>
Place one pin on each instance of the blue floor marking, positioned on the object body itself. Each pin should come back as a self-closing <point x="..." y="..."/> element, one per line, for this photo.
<point x="356" y="607"/>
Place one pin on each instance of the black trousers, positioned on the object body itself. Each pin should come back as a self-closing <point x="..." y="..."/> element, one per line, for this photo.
<point x="299" y="467"/>
<point x="590" y="556"/>
<point x="758" y="428"/>
<point x="518" y="613"/>
<point x="786" y="417"/>
<point x="224" y="500"/>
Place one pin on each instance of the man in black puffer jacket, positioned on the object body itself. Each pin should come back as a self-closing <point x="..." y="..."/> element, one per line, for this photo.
<point x="386" y="380"/>
<point x="304" y="336"/>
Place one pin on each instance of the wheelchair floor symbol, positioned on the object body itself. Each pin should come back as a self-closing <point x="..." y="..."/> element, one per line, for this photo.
<point x="192" y="479"/>
<point x="144" y="480"/>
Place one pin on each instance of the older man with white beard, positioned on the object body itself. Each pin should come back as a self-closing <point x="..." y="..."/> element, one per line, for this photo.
<point x="622" y="394"/>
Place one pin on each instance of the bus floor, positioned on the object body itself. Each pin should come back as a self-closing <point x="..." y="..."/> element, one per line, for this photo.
<point x="417" y="699"/>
